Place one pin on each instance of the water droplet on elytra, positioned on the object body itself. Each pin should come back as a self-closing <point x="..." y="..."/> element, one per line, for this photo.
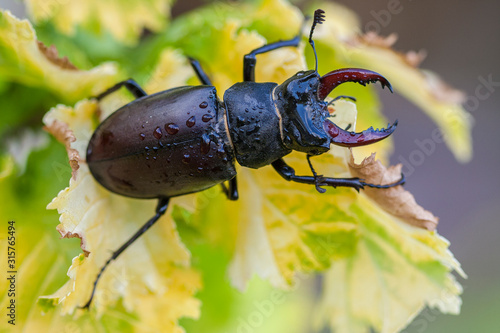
<point x="142" y="136"/>
<point x="157" y="133"/>
<point x="203" y="105"/>
<point x="171" y="128"/>
<point x="206" y="117"/>
<point x="191" y="121"/>
<point x="186" y="158"/>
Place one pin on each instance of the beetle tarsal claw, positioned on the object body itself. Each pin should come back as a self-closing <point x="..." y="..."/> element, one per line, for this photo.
<point x="331" y="80"/>
<point x="341" y="137"/>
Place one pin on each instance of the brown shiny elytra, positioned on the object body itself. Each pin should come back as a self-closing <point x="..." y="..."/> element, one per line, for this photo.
<point x="159" y="146"/>
<point x="186" y="139"/>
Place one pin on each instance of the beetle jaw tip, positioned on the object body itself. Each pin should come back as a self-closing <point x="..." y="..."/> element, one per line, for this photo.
<point x="341" y="137"/>
<point x="331" y="80"/>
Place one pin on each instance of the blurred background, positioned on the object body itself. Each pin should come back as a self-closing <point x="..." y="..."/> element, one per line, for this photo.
<point x="462" y="39"/>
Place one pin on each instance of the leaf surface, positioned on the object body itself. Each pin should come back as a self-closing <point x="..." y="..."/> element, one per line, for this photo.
<point x="26" y="60"/>
<point x="124" y="20"/>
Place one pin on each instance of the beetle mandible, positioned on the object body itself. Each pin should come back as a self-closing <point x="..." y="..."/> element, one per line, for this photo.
<point x="185" y="139"/>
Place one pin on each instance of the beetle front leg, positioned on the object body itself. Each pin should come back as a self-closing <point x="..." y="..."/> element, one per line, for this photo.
<point x="129" y="84"/>
<point x="250" y="59"/>
<point x="161" y="208"/>
<point x="316" y="177"/>
<point x="232" y="191"/>
<point x="288" y="173"/>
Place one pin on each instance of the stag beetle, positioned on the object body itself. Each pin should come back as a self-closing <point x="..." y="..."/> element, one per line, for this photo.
<point x="185" y="139"/>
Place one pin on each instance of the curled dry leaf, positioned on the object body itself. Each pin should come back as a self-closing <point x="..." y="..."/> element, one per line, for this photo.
<point x="412" y="58"/>
<point x="56" y="123"/>
<point x="61" y="132"/>
<point x="374" y="39"/>
<point x="415" y="58"/>
<point x="396" y="200"/>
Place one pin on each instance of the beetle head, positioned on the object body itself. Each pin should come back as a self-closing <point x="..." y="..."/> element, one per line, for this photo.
<point x="303" y="111"/>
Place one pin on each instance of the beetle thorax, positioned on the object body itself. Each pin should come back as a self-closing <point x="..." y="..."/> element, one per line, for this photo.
<point x="253" y="123"/>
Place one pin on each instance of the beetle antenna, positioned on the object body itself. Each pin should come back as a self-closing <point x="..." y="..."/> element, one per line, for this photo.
<point x="319" y="18"/>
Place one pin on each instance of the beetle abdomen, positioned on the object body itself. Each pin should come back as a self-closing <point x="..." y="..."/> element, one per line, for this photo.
<point x="167" y="144"/>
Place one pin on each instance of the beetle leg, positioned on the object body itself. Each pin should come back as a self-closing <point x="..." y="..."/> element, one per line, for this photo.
<point x="200" y="73"/>
<point x="232" y="192"/>
<point x="288" y="173"/>
<point x="316" y="177"/>
<point x="250" y="59"/>
<point x="129" y="84"/>
<point x="161" y="208"/>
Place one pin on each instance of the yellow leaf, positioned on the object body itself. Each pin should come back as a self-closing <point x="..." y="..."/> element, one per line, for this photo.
<point x="233" y="44"/>
<point x="24" y="59"/>
<point x="154" y="273"/>
<point x="172" y="70"/>
<point x="272" y="13"/>
<point x="124" y="20"/>
<point x="394" y="273"/>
